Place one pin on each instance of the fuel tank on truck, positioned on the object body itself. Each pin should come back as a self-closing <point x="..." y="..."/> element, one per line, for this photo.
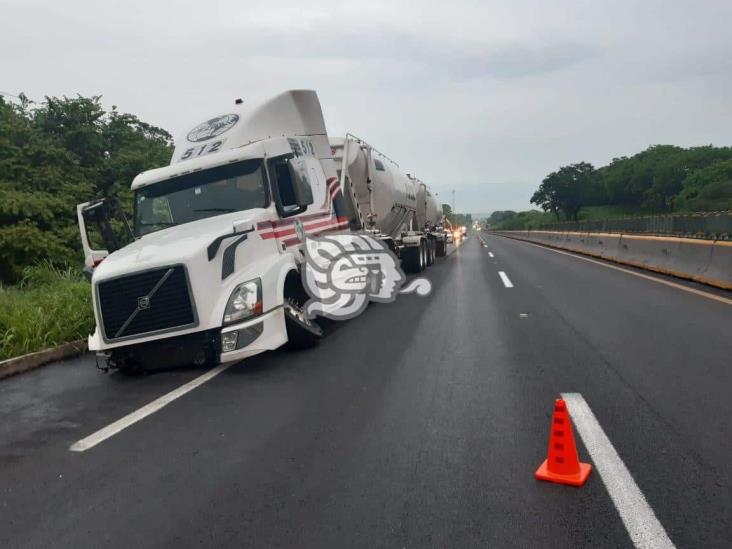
<point x="428" y="215"/>
<point x="391" y="202"/>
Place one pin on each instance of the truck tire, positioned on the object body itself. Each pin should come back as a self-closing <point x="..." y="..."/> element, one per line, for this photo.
<point x="413" y="259"/>
<point x="130" y="368"/>
<point x="430" y="252"/>
<point x="302" y="332"/>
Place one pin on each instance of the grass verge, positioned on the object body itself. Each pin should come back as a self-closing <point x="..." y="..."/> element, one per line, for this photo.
<point x="50" y="306"/>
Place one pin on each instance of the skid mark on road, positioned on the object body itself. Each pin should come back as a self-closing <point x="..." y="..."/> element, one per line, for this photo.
<point x="639" y="519"/>
<point x="141" y="413"/>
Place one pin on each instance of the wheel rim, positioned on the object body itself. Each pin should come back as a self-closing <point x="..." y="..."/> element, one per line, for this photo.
<point x="297" y="314"/>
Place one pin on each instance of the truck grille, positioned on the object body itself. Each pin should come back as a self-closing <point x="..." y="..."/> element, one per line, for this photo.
<point x="146" y="302"/>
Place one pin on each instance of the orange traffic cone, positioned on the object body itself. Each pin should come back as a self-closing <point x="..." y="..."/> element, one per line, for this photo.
<point x="562" y="464"/>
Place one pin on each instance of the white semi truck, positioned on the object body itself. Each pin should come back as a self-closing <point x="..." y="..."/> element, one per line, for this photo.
<point x="213" y="270"/>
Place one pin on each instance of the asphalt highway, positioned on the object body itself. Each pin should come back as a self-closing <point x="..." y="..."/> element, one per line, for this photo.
<point x="418" y="424"/>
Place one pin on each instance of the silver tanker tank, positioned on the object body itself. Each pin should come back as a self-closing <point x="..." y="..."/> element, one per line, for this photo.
<point x="393" y="198"/>
<point x="428" y="215"/>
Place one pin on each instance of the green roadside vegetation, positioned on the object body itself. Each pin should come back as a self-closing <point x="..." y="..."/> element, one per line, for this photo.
<point x="457" y="219"/>
<point x="662" y="179"/>
<point x="535" y="219"/>
<point x="49" y="306"/>
<point x="55" y="154"/>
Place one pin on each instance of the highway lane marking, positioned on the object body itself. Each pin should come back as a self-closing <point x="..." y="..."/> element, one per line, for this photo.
<point x="490" y="254"/>
<point x="640" y="275"/>
<point x="637" y="515"/>
<point x="504" y="278"/>
<point x="141" y="413"/>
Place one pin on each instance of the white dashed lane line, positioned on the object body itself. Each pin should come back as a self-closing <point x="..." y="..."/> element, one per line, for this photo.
<point x="141" y="413"/>
<point x="504" y="278"/>
<point x="490" y="254"/>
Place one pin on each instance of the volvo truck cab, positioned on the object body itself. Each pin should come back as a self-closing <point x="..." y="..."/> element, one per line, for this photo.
<point x="212" y="271"/>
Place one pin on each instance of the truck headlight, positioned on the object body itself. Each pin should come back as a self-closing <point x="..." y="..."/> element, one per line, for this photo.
<point x="245" y="302"/>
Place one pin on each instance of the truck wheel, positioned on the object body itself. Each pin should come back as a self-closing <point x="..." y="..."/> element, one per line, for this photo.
<point x="441" y="248"/>
<point x="302" y="332"/>
<point x="424" y="253"/>
<point x="430" y="252"/>
<point x="412" y="259"/>
<point x="129" y="367"/>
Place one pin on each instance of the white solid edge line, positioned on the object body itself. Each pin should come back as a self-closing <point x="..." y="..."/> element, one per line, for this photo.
<point x="640" y="521"/>
<point x="504" y="278"/>
<point x="141" y="413"/>
<point x="490" y="254"/>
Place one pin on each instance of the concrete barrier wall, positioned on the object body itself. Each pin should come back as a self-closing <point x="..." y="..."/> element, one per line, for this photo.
<point x="706" y="261"/>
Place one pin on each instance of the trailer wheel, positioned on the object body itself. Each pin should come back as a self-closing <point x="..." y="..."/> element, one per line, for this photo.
<point x="302" y="332"/>
<point x="412" y="259"/>
<point x="430" y="252"/>
<point x="441" y="248"/>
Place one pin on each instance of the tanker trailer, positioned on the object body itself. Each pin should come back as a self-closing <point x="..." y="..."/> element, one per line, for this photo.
<point x="385" y="203"/>
<point x="429" y="217"/>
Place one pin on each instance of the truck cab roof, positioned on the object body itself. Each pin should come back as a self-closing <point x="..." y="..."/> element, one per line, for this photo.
<point x="244" y="132"/>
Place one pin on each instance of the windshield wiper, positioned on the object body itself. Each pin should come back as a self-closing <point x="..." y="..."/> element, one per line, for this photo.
<point x="215" y="210"/>
<point x="161" y="223"/>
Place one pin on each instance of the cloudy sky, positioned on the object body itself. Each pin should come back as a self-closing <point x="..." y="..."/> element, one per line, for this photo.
<point x="484" y="97"/>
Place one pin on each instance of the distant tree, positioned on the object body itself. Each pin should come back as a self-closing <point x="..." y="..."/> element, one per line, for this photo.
<point x="499" y="216"/>
<point x="567" y="190"/>
<point x="653" y="179"/>
<point x="547" y="195"/>
<point x="510" y="220"/>
<point x="707" y="189"/>
<point x="660" y="178"/>
<point x="56" y="154"/>
<point x="456" y="219"/>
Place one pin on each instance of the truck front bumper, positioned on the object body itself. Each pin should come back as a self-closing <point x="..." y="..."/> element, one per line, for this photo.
<point x="216" y="345"/>
<point x="264" y="333"/>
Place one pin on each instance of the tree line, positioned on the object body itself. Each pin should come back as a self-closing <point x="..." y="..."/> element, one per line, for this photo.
<point x="663" y="178"/>
<point x="457" y="219"/>
<point x="55" y="154"/>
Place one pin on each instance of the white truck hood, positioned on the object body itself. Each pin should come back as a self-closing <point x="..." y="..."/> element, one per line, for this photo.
<point x="179" y="244"/>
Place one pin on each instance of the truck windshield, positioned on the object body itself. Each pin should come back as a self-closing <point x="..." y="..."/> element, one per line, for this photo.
<point x="195" y="196"/>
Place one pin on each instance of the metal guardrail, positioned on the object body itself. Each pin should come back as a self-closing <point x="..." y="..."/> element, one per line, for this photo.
<point x="706" y="225"/>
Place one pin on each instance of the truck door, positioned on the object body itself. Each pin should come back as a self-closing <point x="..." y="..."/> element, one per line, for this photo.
<point x="92" y="257"/>
<point x="98" y="237"/>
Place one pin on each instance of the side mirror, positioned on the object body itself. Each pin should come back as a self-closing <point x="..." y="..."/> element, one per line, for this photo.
<point x="301" y="189"/>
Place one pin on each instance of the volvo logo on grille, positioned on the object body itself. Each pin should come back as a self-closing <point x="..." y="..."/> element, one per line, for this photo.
<point x="143" y="302"/>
